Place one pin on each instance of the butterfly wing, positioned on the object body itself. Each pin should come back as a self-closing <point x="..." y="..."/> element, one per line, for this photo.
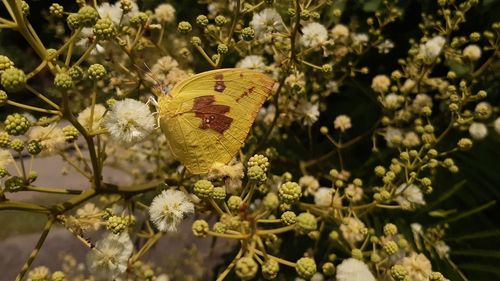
<point x="207" y="117"/>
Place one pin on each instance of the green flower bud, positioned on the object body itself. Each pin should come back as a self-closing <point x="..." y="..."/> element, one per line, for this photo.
<point x="218" y="193"/>
<point x="13" y="79"/>
<point x="390" y="229"/>
<point x="96" y="72"/>
<point x="306" y="223"/>
<point x="73" y="21"/>
<point x="390" y="247"/>
<point x="104" y="29"/>
<point x="327" y="68"/>
<point x="199" y="228"/>
<point x="203" y="188"/>
<point x="255" y="173"/>
<point x="117" y="224"/>
<point x="184" y="27"/>
<point x="398" y="272"/>
<point x="14" y="184"/>
<point x="222" y="48"/>
<point x="234" y="202"/>
<point x="56" y="10"/>
<point x="464" y="144"/>
<point x="248" y="33"/>
<point x="34" y="147"/>
<point x="305" y="267"/>
<point x="76" y="73"/>
<point x="25" y="8"/>
<point x="140" y="19"/>
<point x="271" y="201"/>
<point x="63" y="81"/>
<point x="437" y="276"/>
<point x="270" y="269"/>
<point x="16" y="124"/>
<point x="3" y="98"/>
<point x="288" y="218"/>
<point x="357" y="254"/>
<point x="202" y="20"/>
<point x="259" y="160"/>
<point x="220" y="20"/>
<point x="88" y="16"/>
<point x="5" y="63"/>
<point x="126" y="6"/>
<point x="4" y="140"/>
<point x="289" y="192"/>
<point x="58" y="276"/>
<point x="246" y="268"/>
<point x="220" y="227"/>
<point x="379" y="171"/>
<point x="195" y="40"/>
<point x="70" y="133"/>
<point x="3" y="172"/>
<point x="328" y="269"/>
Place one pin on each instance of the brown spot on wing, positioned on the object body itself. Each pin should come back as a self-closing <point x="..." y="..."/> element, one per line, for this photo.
<point x="245" y="93"/>
<point x="212" y="115"/>
<point x="219" y="83"/>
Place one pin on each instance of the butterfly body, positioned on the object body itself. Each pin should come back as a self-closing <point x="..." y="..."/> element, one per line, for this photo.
<point x="207" y="117"/>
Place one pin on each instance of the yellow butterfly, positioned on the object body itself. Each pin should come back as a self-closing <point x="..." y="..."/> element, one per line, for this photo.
<point x="206" y="118"/>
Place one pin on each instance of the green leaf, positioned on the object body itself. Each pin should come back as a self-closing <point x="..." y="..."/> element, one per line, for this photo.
<point x="475" y="235"/>
<point x="477" y="253"/>
<point x="371" y="6"/>
<point x="481" y="267"/>
<point x="442" y="213"/>
<point x="442" y="198"/>
<point x="469" y="212"/>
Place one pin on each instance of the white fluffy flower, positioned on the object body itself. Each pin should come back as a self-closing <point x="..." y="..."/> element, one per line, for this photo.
<point x="393" y="136"/>
<point x="418" y="266"/>
<point x="355" y="193"/>
<point x="309" y="183"/>
<point x="308" y="111"/>
<point x="342" y="123"/>
<point x="408" y="86"/>
<point x="478" y="131"/>
<point x="252" y="62"/>
<point x="169" y="208"/>
<point x="129" y="121"/>
<point x="114" y="12"/>
<point x="385" y="47"/>
<point x="323" y="196"/>
<point x="165" y="13"/>
<point x="353" y="230"/>
<point x="110" y="256"/>
<point x="432" y="48"/>
<point x="496" y="125"/>
<point x="359" y="39"/>
<point x="267" y="21"/>
<point x="472" y="52"/>
<point x="340" y="31"/>
<point x="51" y="137"/>
<point x="85" y="119"/>
<point x="421" y="101"/>
<point x="314" y="35"/>
<point x="381" y="83"/>
<point x="409" y="195"/>
<point x="5" y="158"/>
<point x="354" y="270"/>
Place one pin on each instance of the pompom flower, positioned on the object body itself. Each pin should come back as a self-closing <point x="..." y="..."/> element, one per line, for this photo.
<point x="314" y="35"/>
<point x="110" y="257"/>
<point x="267" y="21"/>
<point x="169" y="208"/>
<point x="129" y="121"/>
<point x="354" y="270"/>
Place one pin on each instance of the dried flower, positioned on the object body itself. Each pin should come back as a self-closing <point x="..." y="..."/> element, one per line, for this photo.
<point x="353" y="230"/>
<point x="84" y="117"/>
<point x="432" y="48"/>
<point x="408" y="196"/>
<point x="418" y="266"/>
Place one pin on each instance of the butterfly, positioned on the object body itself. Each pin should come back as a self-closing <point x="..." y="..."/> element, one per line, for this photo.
<point x="207" y="117"/>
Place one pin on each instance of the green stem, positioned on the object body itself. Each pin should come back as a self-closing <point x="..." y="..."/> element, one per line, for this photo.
<point x="53" y="190"/>
<point x="42" y="97"/>
<point x="33" y="108"/>
<point x="35" y="251"/>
